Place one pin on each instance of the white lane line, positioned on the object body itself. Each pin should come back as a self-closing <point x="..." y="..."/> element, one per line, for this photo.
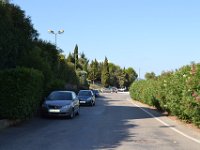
<point x="164" y="123"/>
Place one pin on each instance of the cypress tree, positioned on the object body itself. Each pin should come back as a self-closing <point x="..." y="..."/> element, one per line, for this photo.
<point x="105" y="76"/>
<point x="76" y="56"/>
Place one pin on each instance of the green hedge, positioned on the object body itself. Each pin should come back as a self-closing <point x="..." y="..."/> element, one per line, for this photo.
<point x="54" y="85"/>
<point x="20" y="92"/>
<point x="177" y="92"/>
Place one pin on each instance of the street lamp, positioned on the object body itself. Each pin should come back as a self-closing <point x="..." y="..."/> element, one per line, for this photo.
<point x="56" y="33"/>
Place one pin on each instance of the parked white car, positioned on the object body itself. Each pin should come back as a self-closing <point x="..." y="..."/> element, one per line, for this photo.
<point x="122" y="89"/>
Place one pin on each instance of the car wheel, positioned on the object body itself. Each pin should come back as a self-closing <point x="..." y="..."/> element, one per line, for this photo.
<point x="72" y="114"/>
<point x="91" y="103"/>
<point x="78" y="111"/>
<point x="43" y="116"/>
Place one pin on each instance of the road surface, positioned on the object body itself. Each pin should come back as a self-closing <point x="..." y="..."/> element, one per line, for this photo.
<point x="114" y="123"/>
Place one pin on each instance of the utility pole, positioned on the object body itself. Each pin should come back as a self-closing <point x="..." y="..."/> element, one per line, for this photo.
<point x="139" y="74"/>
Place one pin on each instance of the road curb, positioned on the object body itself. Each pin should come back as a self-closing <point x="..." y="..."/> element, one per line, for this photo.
<point x="4" y="123"/>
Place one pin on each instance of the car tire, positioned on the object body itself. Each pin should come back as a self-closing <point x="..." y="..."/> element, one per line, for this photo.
<point x="78" y="111"/>
<point x="43" y="116"/>
<point x="92" y="103"/>
<point x="72" y="114"/>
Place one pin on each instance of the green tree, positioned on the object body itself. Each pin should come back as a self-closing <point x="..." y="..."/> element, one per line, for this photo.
<point x="150" y="75"/>
<point x="83" y="79"/>
<point x="114" y="72"/>
<point x="100" y="68"/>
<point x="105" y="76"/>
<point x="70" y="58"/>
<point x="83" y="62"/>
<point x="76" y="56"/>
<point x="20" y="46"/>
<point x="17" y="35"/>
<point x="122" y="78"/>
<point x="132" y="76"/>
<point x="93" y="71"/>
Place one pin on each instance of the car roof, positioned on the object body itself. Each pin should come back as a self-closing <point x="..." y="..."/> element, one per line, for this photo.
<point x="85" y="90"/>
<point x="63" y="91"/>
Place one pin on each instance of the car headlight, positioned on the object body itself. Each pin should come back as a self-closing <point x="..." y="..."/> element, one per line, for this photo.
<point x="89" y="99"/>
<point x="66" y="106"/>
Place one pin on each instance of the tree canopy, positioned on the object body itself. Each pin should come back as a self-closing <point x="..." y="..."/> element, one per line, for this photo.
<point x="150" y="75"/>
<point x="105" y="75"/>
<point x="20" y="46"/>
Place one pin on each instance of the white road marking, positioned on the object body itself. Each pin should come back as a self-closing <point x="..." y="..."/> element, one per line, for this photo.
<point x="164" y="123"/>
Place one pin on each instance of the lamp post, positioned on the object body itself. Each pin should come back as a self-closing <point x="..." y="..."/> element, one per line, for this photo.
<point x="56" y="33"/>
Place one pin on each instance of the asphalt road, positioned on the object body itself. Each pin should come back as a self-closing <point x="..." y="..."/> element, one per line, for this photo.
<point x="114" y="123"/>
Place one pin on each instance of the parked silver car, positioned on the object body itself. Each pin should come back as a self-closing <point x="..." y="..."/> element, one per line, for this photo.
<point x="61" y="103"/>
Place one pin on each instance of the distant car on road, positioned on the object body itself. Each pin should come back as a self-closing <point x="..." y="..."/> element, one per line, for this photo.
<point x="122" y="89"/>
<point x="86" y="97"/>
<point x="96" y="92"/>
<point x="114" y="89"/>
<point x="61" y="103"/>
<point x="109" y="90"/>
<point x="106" y="90"/>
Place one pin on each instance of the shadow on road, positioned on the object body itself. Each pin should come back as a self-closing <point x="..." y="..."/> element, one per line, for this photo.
<point x="104" y="126"/>
<point x="114" y="124"/>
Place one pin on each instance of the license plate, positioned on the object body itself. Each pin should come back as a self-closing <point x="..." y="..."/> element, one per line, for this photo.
<point x="54" y="110"/>
<point x="82" y="101"/>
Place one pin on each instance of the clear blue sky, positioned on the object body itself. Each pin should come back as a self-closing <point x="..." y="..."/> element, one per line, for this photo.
<point x="153" y="35"/>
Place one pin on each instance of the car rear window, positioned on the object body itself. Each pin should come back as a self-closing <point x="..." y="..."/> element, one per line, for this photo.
<point x="60" y="96"/>
<point x="84" y="93"/>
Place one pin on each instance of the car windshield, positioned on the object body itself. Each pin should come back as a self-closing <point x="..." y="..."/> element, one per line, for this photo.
<point x="84" y="93"/>
<point x="60" y="96"/>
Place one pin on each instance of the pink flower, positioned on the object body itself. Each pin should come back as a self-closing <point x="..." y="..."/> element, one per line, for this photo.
<point x="198" y="98"/>
<point x="194" y="94"/>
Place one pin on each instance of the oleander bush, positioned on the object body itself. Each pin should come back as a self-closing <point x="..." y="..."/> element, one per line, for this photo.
<point x="20" y="92"/>
<point x="176" y="92"/>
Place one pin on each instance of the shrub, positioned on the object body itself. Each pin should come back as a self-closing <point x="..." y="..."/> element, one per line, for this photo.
<point x="54" y="85"/>
<point x="177" y="92"/>
<point x="20" y="92"/>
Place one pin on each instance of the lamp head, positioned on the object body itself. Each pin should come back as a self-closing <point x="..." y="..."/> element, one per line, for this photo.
<point x="60" y="31"/>
<point x="51" y="31"/>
